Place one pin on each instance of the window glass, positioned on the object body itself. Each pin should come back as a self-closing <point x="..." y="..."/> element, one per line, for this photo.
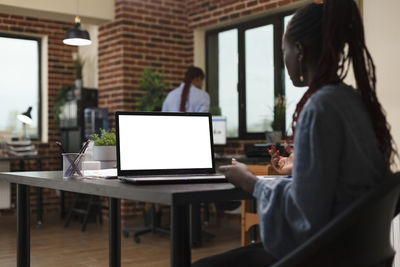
<point x="246" y="73"/>
<point x="228" y="79"/>
<point x="259" y="60"/>
<point x="19" y="84"/>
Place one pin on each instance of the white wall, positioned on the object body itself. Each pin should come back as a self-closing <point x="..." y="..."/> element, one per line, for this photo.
<point x="89" y="56"/>
<point x="382" y="24"/>
<point x="91" y="11"/>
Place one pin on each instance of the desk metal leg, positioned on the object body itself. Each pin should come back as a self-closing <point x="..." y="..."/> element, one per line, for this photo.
<point x="114" y="232"/>
<point x="39" y="206"/>
<point x="253" y="229"/>
<point x="23" y="222"/>
<point x="195" y="225"/>
<point x="39" y="195"/>
<point x="180" y="237"/>
<point x="62" y="204"/>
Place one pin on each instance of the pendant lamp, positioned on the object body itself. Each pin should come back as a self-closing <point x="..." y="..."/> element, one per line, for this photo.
<point x="76" y="36"/>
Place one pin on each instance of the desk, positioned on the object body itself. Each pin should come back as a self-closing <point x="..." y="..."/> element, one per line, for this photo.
<point x="38" y="159"/>
<point x="179" y="197"/>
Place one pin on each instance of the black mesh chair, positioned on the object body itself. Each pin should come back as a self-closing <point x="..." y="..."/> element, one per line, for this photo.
<point x="360" y="236"/>
<point x="152" y="225"/>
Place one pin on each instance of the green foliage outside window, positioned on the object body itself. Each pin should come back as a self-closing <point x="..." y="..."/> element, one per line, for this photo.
<point x="279" y="114"/>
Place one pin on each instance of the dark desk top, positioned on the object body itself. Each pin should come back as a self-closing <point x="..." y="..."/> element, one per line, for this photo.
<point x="177" y="194"/>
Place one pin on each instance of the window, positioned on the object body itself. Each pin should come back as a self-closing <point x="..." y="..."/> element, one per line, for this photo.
<point x="20" y="84"/>
<point x="245" y="72"/>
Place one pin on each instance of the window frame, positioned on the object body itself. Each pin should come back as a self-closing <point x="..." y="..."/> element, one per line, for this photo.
<point x="39" y="41"/>
<point x="277" y="20"/>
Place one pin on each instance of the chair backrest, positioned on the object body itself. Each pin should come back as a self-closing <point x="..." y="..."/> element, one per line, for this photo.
<point x="359" y="236"/>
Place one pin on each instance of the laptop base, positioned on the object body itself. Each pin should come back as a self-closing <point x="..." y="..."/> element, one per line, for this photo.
<point x="206" y="179"/>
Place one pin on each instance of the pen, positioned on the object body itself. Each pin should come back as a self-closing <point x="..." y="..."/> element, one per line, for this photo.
<point x="60" y="146"/>
<point x="68" y="158"/>
<point x="77" y="160"/>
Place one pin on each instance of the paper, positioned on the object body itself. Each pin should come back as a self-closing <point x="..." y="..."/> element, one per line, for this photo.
<point x="104" y="173"/>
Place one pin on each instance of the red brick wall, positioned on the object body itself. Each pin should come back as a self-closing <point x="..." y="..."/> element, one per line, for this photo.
<point x="204" y="13"/>
<point x="145" y="34"/>
<point x="60" y="73"/>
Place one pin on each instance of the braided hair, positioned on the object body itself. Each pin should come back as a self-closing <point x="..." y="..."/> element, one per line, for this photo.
<point x="334" y="30"/>
<point x="191" y="74"/>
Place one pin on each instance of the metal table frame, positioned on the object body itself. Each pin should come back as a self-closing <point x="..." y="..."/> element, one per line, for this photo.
<point x="39" y="193"/>
<point x="178" y="196"/>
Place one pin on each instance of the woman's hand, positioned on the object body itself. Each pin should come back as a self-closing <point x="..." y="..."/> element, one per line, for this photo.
<point x="282" y="165"/>
<point x="239" y="175"/>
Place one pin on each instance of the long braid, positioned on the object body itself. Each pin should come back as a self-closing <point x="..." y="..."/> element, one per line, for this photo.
<point x="342" y="43"/>
<point x="191" y="74"/>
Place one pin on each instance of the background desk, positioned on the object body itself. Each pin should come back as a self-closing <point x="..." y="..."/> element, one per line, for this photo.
<point x="179" y="197"/>
<point x="5" y="162"/>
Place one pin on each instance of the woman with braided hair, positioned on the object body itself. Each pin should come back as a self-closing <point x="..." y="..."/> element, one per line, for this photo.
<point x="188" y="97"/>
<point x="342" y="142"/>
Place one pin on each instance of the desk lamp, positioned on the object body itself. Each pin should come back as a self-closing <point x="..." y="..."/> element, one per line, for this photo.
<point x="25" y="118"/>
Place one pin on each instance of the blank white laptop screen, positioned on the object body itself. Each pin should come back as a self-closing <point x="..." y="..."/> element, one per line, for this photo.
<point x="161" y="142"/>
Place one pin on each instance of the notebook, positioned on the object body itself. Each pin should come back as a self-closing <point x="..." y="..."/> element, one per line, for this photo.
<point x="165" y="147"/>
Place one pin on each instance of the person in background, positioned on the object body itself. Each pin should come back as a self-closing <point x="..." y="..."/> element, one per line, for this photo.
<point x="342" y="142"/>
<point x="188" y="97"/>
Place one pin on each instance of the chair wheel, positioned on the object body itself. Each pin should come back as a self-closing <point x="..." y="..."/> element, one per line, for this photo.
<point x="136" y="239"/>
<point x="125" y="233"/>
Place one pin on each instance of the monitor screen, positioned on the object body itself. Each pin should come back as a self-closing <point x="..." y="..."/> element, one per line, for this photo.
<point x="164" y="141"/>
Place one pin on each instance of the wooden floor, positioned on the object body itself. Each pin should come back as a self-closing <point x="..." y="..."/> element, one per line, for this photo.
<point x="53" y="245"/>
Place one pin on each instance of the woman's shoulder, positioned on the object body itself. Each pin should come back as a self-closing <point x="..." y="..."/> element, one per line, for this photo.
<point x="335" y="90"/>
<point x="198" y="91"/>
<point x="335" y="95"/>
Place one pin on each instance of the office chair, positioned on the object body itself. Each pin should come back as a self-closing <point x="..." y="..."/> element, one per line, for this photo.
<point x="360" y="236"/>
<point x="85" y="206"/>
<point x="151" y="226"/>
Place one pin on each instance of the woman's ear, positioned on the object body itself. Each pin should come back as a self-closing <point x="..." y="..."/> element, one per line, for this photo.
<point x="299" y="50"/>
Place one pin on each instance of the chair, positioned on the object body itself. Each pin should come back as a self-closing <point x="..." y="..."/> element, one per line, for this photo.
<point x="360" y="236"/>
<point x="152" y="223"/>
<point x="85" y="206"/>
<point x="249" y="208"/>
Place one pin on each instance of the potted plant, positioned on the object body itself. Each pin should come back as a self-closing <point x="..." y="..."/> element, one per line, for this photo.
<point x="78" y="66"/>
<point x="278" y="124"/>
<point x="154" y="87"/>
<point x="61" y="98"/>
<point x="104" y="148"/>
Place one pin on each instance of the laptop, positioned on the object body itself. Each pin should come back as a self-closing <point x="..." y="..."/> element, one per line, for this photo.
<point x="165" y="147"/>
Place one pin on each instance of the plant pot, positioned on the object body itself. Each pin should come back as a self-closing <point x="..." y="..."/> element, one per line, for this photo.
<point x="105" y="153"/>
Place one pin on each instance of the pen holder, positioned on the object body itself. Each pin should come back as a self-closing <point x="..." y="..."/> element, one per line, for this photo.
<point x="72" y="164"/>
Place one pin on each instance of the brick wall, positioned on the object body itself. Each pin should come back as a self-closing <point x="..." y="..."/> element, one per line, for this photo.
<point x="145" y="34"/>
<point x="204" y="13"/>
<point x="60" y="73"/>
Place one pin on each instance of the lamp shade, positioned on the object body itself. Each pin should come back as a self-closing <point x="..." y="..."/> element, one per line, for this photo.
<point x="76" y="36"/>
<point x="26" y="117"/>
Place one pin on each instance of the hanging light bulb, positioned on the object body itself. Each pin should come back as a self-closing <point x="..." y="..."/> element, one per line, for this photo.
<point x="76" y="36"/>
